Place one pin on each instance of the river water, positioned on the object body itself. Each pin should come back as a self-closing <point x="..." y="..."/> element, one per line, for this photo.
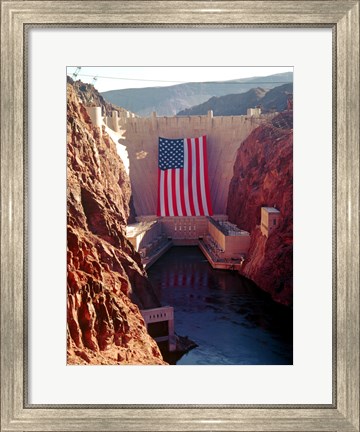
<point x="231" y="320"/>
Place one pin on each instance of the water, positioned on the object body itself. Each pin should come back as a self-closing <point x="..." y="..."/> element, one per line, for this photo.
<point x="232" y="321"/>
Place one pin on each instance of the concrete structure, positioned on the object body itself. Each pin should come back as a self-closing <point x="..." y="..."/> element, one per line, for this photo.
<point x="113" y="121"/>
<point x="184" y="230"/>
<point x="160" y="325"/>
<point x="224" y="137"/>
<point x="269" y="220"/>
<point x="143" y="233"/>
<point x="223" y="243"/>
<point x="148" y="239"/>
<point x="227" y="240"/>
<point x="152" y="236"/>
<point x="254" y="112"/>
<point x="217" y="262"/>
<point x="120" y="148"/>
<point x="95" y="115"/>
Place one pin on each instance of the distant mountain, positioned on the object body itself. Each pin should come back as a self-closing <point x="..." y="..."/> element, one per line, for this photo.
<point x="167" y="101"/>
<point x="232" y="104"/>
<point x="277" y="98"/>
<point x="237" y="104"/>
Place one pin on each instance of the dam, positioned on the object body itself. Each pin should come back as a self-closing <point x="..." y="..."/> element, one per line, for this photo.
<point x="224" y="136"/>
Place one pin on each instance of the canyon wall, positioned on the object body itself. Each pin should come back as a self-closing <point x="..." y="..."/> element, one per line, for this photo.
<point x="106" y="281"/>
<point x="263" y="176"/>
<point x="224" y="135"/>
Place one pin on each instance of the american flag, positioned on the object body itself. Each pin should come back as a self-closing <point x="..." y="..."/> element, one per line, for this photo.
<point x="183" y="183"/>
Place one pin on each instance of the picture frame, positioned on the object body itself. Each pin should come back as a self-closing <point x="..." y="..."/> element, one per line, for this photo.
<point x="343" y="18"/>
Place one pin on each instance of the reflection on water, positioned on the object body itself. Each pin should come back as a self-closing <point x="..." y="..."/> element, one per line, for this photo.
<point x="230" y="319"/>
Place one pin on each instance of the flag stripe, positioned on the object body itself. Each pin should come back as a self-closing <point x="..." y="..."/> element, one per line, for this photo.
<point x="190" y="177"/>
<point x="182" y="192"/>
<point x="178" y="191"/>
<point x="202" y="176"/>
<point x="166" y="194"/>
<point x="186" y="178"/>
<point x="162" y="193"/>
<point x="169" y="191"/>
<point x="174" y="193"/>
<point x="206" y="177"/>
<point x="158" y="211"/>
<point x="199" y="176"/>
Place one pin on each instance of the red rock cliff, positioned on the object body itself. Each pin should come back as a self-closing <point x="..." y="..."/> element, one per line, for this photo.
<point x="263" y="176"/>
<point x="106" y="281"/>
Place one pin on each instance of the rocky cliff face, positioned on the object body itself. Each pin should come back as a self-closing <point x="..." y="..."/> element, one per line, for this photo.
<point x="106" y="282"/>
<point x="89" y="96"/>
<point x="263" y="176"/>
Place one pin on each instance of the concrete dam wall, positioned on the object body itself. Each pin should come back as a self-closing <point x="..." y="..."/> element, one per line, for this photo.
<point x="224" y="136"/>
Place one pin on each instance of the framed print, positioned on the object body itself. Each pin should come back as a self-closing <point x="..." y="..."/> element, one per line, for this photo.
<point x="54" y="379"/>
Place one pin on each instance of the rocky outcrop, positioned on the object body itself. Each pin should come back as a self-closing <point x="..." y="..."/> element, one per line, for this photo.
<point x="89" y="96"/>
<point x="263" y="176"/>
<point x="106" y="282"/>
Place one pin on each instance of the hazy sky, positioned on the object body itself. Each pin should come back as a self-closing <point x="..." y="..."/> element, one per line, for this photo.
<point x="111" y="78"/>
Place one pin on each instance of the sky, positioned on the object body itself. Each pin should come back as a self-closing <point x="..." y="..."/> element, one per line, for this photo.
<point x="114" y="78"/>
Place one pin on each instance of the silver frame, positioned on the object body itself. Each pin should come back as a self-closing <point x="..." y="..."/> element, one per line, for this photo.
<point x="342" y="16"/>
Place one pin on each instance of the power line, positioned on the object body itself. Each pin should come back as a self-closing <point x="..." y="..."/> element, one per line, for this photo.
<point x="131" y="79"/>
<point x="229" y="82"/>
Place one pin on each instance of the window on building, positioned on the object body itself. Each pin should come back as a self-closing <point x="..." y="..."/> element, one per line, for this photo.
<point x="274" y="222"/>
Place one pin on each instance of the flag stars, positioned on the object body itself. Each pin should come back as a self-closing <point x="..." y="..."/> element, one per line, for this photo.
<point x="171" y="153"/>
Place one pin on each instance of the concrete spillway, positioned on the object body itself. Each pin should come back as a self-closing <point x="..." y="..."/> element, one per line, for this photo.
<point x="224" y="137"/>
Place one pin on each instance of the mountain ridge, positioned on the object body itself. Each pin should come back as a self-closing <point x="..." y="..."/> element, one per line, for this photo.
<point x="169" y="100"/>
<point x="237" y="104"/>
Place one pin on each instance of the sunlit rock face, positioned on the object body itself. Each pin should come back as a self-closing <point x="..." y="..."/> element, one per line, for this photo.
<point x="106" y="283"/>
<point x="263" y="176"/>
